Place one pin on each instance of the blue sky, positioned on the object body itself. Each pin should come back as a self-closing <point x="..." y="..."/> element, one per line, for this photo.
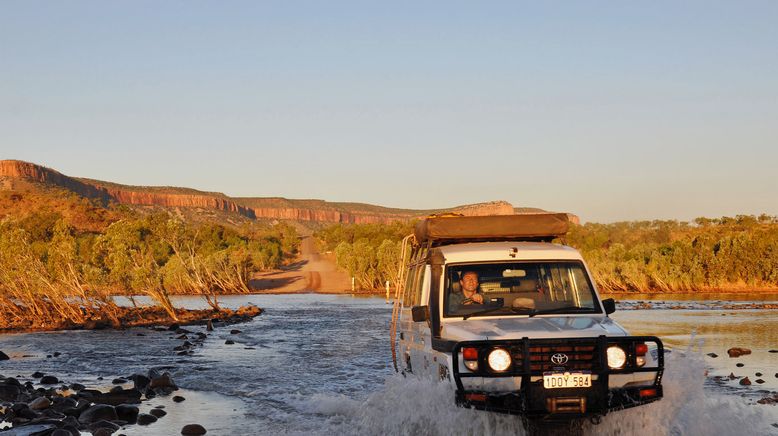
<point x="613" y="111"/>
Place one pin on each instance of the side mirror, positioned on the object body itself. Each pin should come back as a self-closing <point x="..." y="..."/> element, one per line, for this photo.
<point x="420" y="313"/>
<point x="609" y="305"/>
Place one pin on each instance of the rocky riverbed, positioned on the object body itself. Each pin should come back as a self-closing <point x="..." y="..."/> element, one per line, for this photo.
<point x="42" y="404"/>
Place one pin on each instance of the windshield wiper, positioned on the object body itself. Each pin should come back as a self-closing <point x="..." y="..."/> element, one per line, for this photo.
<point x="494" y="309"/>
<point x="560" y="310"/>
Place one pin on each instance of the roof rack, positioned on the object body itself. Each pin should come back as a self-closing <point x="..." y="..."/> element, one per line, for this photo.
<point x="450" y="229"/>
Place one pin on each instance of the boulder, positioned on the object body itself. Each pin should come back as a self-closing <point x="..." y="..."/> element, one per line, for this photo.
<point x="141" y="382"/>
<point x="30" y="430"/>
<point x="739" y="365"/>
<point x="49" y="380"/>
<point x="103" y="431"/>
<point x="77" y="386"/>
<point x="146" y="419"/>
<point x="63" y="432"/>
<point x="3" y="356"/>
<point x="127" y="412"/>
<point x="118" y="396"/>
<point x="738" y="351"/>
<point x="193" y="430"/>
<point x="235" y="332"/>
<point x="229" y="342"/>
<point x="103" y="424"/>
<point x="37" y="374"/>
<point x="40" y="403"/>
<point x="745" y="381"/>
<point x="96" y="413"/>
<point x="118" y="381"/>
<point x="9" y="392"/>
<point x="178" y="399"/>
<point x="159" y="413"/>
<point x="163" y="381"/>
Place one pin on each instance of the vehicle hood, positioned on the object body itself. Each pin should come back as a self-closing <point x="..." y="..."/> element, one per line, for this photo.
<point x="533" y="328"/>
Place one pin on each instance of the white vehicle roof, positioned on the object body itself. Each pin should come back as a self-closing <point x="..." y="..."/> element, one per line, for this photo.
<point x="507" y="251"/>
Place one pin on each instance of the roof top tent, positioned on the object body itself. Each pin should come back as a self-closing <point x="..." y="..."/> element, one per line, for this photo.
<point x="444" y="230"/>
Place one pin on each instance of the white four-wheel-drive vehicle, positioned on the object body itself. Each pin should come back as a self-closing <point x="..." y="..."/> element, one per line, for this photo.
<point x="531" y="337"/>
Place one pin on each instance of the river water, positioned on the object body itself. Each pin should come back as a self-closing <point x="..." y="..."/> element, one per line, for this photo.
<point x="320" y="364"/>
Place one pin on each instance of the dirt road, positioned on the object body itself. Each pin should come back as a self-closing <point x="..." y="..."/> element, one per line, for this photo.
<point x="311" y="272"/>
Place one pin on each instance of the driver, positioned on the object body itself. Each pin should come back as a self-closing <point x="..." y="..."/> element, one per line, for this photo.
<point x="469" y="295"/>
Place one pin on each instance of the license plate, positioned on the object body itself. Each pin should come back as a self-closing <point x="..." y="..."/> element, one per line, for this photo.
<point x="560" y="380"/>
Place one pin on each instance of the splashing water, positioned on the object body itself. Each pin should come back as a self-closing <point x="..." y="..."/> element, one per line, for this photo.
<point x="408" y="406"/>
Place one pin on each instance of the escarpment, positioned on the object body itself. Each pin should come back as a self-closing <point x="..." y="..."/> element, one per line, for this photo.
<point x="272" y="208"/>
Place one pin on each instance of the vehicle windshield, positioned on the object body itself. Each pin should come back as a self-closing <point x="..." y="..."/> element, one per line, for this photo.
<point x="518" y="288"/>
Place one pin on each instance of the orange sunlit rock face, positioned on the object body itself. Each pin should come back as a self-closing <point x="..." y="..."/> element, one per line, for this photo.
<point x="270" y="208"/>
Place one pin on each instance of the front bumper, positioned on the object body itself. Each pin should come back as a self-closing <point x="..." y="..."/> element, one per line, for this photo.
<point x="534" y="401"/>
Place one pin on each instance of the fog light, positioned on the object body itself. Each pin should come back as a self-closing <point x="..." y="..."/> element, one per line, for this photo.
<point x="617" y="358"/>
<point x="640" y="360"/>
<point x="499" y="360"/>
<point x="472" y="365"/>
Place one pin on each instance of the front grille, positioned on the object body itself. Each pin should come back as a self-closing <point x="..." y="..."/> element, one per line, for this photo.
<point x="580" y="357"/>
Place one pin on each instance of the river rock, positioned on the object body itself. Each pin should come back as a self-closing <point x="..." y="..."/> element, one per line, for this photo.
<point x="49" y="380"/>
<point x="141" y="382"/>
<point x="758" y="374"/>
<point x="30" y="430"/>
<point x="118" y="381"/>
<point x="96" y="413"/>
<point x="25" y="412"/>
<point x="713" y="355"/>
<point x="9" y="392"/>
<point x="40" y="403"/>
<point x="103" y="431"/>
<point x="738" y="351"/>
<point x="127" y="412"/>
<point x="104" y="427"/>
<point x="146" y="419"/>
<point x="193" y="430"/>
<point x="773" y="351"/>
<point x="4" y="356"/>
<point x="60" y="404"/>
<point x="162" y="381"/>
<point x="739" y="365"/>
<point x="37" y="374"/>
<point x="77" y="386"/>
<point x="159" y="413"/>
<point x="229" y="342"/>
<point x="178" y="399"/>
<point x="745" y="381"/>
<point x="235" y="332"/>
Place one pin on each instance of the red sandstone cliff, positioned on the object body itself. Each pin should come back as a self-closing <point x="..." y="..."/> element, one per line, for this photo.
<point x="267" y="208"/>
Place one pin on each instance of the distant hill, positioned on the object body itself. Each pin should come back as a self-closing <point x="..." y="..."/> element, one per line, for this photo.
<point x="188" y="202"/>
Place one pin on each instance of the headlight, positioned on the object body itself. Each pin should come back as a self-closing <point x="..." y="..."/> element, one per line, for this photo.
<point x="499" y="360"/>
<point x="617" y="358"/>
